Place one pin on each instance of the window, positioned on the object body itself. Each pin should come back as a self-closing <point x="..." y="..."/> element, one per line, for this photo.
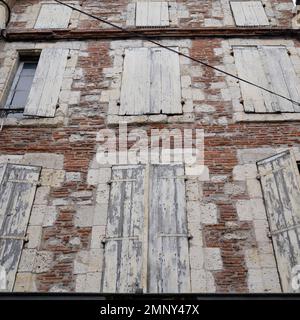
<point x="271" y="68"/>
<point x="21" y="85"/>
<point x="150" y="82"/>
<point x="249" y="13"/>
<point x="280" y="183"/>
<point x="53" y="16"/>
<point x="152" y="14"/>
<point x="146" y="245"/>
<point x="37" y="84"/>
<point x="17" y="191"/>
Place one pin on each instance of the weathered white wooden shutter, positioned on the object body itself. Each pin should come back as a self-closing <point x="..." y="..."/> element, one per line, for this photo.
<point x="53" y="16"/>
<point x="168" y="234"/>
<point x="152" y="14"/>
<point x="17" y="191"/>
<point x="271" y="68"/>
<point x="2" y="16"/>
<point x="123" y="243"/>
<point x="46" y="86"/>
<point x="150" y="82"/>
<point x="280" y="183"/>
<point x="249" y="13"/>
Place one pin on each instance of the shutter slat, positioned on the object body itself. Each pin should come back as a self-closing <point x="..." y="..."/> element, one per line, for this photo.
<point x="46" y="86"/>
<point x="152" y="14"/>
<point x="250" y="66"/>
<point x="123" y="257"/>
<point x="168" y="241"/>
<point x="249" y="13"/>
<point x="281" y="189"/>
<point x="283" y="76"/>
<point x="16" y="200"/>
<point x="53" y="16"/>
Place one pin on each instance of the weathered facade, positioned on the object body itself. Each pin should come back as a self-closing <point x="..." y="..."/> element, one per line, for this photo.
<point x="71" y="224"/>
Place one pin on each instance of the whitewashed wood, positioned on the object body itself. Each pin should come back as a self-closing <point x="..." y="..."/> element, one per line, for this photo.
<point x="168" y="241"/>
<point x="16" y="200"/>
<point x="53" y="16"/>
<point x="46" y="86"/>
<point x="283" y="77"/>
<point x="152" y="14"/>
<point x="135" y="91"/>
<point x="165" y="89"/>
<point x="123" y="257"/>
<point x="150" y="82"/>
<point x="250" y="66"/>
<point x="2" y="16"/>
<point x="281" y="189"/>
<point x="249" y="13"/>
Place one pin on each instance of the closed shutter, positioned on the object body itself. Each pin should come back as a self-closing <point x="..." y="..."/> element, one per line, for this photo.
<point x="271" y="68"/>
<point x="17" y="191"/>
<point x="249" y="13"/>
<point x="53" y="16"/>
<point x="46" y="86"/>
<point x="168" y="234"/>
<point x="150" y="82"/>
<point x="123" y="247"/>
<point x="152" y="14"/>
<point x="280" y="183"/>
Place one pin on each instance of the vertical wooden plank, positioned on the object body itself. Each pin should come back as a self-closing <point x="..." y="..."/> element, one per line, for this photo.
<point x="17" y="191"/>
<point x="2" y="16"/>
<point x="251" y="67"/>
<point x="168" y="241"/>
<point x="46" y="86"/>
<point x="53" y="16"/>
<point x="123" y="248"/>
<point x="165" y="96"/>
<point x="249" y="13"/>
<point x="135" y="89"/>
<point x="152" y="14"/>
<point x="283" y="76"/>
<point x="281" y="189"/>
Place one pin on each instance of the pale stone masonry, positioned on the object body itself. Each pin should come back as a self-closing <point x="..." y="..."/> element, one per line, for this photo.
<point x="240" y="217"/>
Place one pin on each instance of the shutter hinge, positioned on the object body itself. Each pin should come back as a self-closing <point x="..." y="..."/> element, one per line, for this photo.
<point x="121" y="180"/>
<point x="178" y="235"/>
<point x="119" y="239"/>
<point x="259" y="176"/>
<point x="37" y="183"/>
<point x="275" y="232"/>
<point x="26" y="239"/>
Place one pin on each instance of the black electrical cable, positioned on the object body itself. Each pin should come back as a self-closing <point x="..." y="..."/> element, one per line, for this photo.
<point x="8" y="10"/>
<point x="140" y="35"/>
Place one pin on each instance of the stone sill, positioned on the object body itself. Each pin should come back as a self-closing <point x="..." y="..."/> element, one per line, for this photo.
<point x="246" y="117"/>
<point x="32" y="122"/>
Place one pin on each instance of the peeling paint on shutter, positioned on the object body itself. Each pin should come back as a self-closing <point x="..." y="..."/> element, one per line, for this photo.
<point x="17" y="191"/>
<point x="249" y="13"/>
<point x="280" y="183"/>
<point x="168" y="239"/>
<point x="123" y="246"/>
<point x="150" y="82"/>
<point x="152" y="14"/>
<point x="2" y="16"/>
<point x="46" y="86"/>
<point x="53" y="16"/>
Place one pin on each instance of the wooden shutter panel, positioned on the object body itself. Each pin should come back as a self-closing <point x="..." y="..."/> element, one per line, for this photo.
<point x="249" y="13"/>
<point x="46" y="86"/>
<point x="168" y="240"/>
<point x="17" y="191"/>
<point x="152" y="14"/>
<point x="123" y="247"/>
<point x="53" y="16"/>
<point x="282" y="74"/>
<point x="150" y="82"/>
<point x="280" y="183"/>
<point x="2" y="16"/>
<point x="250" y="66"/>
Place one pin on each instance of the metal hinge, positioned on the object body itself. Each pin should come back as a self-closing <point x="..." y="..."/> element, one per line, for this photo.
<point x="178" y="235"/>
<point x="259" y="176"/>
<point x="37" y="183"/>
<point x="14" y="238"/>
<point x="274" y="232"/>
<point x="119" y="239"/>
<point x="121" y="180"/>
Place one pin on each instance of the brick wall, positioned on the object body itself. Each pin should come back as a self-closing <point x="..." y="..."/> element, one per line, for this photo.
<point x="231" y="251"/>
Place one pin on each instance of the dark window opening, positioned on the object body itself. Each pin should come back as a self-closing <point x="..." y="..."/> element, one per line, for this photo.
<point x="21" y="86"/>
